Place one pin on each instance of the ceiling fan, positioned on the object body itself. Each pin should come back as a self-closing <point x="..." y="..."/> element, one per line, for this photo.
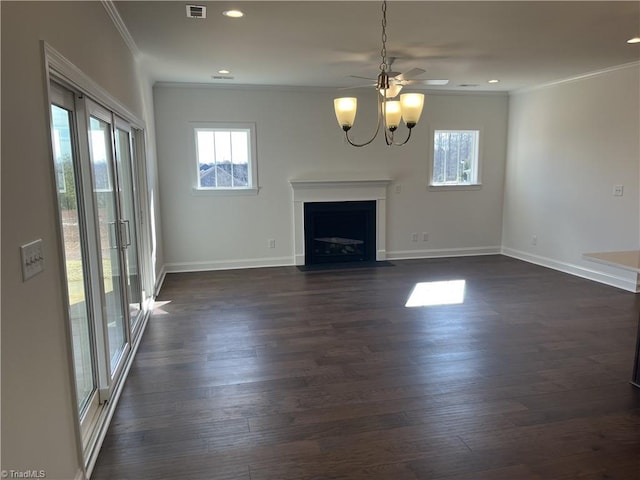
<point x="398" y="80"/>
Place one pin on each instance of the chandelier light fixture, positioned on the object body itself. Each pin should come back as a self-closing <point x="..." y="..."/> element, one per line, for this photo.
<point x="389" y="111"/>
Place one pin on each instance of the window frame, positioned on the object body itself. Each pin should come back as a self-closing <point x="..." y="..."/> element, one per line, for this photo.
<point x="252" y="164"/>
<point x="477" y="184"/>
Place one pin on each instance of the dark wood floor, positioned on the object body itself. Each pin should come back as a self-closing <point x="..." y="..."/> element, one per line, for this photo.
<point x="278" y="374"/>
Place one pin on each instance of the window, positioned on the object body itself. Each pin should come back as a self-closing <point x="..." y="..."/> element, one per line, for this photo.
<point x="455" y="157"/>
<point x="61" y="149"/>
<point x="225" y="157"/>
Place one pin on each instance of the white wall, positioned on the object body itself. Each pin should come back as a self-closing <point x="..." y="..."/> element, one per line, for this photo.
<point x="569" y="144"/>
<point x="298" y="137"/>
<point x="38" y="419"/>
<point x="153" y="215"/>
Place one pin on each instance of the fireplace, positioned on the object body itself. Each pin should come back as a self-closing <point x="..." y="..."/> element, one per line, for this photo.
<point x="337" y="232"/>
<point x="343" y="190"/>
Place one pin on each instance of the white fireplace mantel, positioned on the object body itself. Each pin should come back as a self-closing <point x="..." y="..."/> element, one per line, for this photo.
<point x="343" y="190"/>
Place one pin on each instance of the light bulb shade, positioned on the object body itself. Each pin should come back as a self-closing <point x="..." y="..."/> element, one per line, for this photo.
<point x="392" y="91"/>
<point x="412" y="104"/>
<point x="345" y="108"/>
<point x="392" y="113"/>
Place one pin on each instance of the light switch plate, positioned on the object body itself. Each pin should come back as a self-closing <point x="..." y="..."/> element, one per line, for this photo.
<point x="32" y="256"/>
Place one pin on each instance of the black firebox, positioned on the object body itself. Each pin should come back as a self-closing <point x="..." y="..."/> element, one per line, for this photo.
<point x="336" y="232"/>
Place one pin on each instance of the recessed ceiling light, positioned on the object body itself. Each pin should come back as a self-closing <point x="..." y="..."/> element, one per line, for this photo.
<point x="233" y="13"/>
<point x="224" y="71"/>
<point x="494" y="81"/>
<point x="634" y="40"/>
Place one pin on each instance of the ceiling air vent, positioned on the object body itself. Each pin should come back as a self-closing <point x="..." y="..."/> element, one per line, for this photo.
<point x="221" y="77"/>
<point x="196" y="11"/>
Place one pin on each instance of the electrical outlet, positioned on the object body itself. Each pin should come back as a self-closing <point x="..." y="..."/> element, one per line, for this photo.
<point x="398" y="188"/>
<point x="425" y="237"/>
<point x="32" y="255"/>
<point x="534" y="240"/>
<point x="271" y="243"/>
<point x="618" y="190"/>
<point x="414" y="237"/>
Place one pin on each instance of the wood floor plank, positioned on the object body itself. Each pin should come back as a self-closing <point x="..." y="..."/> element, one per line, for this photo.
<point x="273" y="373"/>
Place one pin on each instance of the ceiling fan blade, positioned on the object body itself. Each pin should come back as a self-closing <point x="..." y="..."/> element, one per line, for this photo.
<point x="436" y="82"/>
<point x="413" y="73"/>
<point x="433" y="82"/>
<point x="358" y="86"/>
<point x="361" y="78"/>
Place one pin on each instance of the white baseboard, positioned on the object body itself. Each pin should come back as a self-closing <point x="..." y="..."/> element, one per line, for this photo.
<point x="228" y="264"/>
<point x="618" y="281"/>
<point x="442" y="252"/>
<point x="298" y="259"/>
<point x="628" y="284"/>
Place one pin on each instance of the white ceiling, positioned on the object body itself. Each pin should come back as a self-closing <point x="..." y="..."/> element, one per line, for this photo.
<point x="322" y="43"/>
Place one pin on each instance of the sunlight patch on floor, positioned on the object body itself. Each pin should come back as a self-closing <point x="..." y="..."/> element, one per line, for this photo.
<point x="425" y="294"/>
<point x="157" y="307"/>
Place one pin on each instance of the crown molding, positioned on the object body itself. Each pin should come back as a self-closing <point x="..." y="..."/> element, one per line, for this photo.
<point x="111" y="9"/>
<point x="577" y="78"/>
<point x="307" y="89"/>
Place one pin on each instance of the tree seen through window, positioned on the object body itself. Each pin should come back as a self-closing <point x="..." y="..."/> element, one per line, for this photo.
<point x="455" y="157"/>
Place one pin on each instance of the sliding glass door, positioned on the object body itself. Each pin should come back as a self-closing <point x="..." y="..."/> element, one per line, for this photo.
<point x="128" y="202"/>
<point x="75" y="249"/>
<point x="108" y="225"/>
<point x="95" y="166"/>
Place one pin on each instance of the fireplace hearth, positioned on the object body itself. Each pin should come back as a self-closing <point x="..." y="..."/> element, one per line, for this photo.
<point x="339" y="232"/>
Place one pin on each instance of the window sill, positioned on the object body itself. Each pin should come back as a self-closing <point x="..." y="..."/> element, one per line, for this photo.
<point x="224" y="192"/>
<point x="442" y="188"/>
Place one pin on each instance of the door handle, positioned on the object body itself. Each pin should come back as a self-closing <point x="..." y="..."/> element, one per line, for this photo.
<point x="113" y="235"/>
<point x="127" y="241"/>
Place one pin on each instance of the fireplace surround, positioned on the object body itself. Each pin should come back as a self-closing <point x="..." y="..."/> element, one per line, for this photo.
<point x="312" y="190"/>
